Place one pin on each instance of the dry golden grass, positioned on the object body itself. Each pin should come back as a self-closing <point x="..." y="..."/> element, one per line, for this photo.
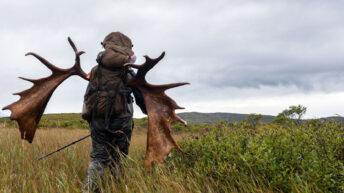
<point x="66" y="170"/>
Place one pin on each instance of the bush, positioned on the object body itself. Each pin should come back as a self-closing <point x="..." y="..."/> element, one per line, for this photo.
<point x="295" y="158"/>
<point x="293" y="113"/>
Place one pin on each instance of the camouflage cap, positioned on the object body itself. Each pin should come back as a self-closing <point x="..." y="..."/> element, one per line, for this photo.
<point x="118" y="42"/>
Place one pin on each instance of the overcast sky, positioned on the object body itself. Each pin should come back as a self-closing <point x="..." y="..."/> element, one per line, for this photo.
<point x="239" y="56"/>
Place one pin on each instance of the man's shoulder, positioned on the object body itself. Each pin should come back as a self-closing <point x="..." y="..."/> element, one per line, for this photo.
<point x="94" y="69"/>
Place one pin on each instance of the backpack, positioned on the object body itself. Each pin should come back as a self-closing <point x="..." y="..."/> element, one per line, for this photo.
<point x="106" y="94"/>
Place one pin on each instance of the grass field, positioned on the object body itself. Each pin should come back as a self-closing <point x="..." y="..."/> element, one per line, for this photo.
<point x="65" y="171"/>
<point x="224" y="157"/>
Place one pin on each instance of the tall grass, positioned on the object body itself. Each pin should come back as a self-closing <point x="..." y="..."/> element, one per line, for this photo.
<point x="66" y="171"/>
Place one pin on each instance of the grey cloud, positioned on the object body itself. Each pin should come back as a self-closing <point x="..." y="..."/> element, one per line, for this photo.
<point x="219" y="46"/>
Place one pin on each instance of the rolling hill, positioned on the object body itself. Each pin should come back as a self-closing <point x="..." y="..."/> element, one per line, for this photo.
<point x="74" y="120"/>
<point x="209" y="118"/>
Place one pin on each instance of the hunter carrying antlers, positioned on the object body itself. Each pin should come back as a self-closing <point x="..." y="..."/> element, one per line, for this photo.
<point x="107" y="106"/>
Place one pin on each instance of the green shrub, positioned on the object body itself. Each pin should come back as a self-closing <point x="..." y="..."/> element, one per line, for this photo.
<point x="309" y="157"/>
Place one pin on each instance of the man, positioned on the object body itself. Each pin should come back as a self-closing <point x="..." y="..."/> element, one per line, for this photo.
<point x="108" y="107"/>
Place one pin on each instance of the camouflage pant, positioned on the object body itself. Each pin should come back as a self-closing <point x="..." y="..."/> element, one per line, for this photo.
<point x="108" y="144"/>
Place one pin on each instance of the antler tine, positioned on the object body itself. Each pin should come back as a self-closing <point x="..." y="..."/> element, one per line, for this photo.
<point x="28" y="79"/>
<point x="150" y="63"/>
<point x="77" y="68"/>
<point x="72" y="44"/>
<point x="51" y="66"/>
<point x="185" y="123"/>
<point x="77" y="53"/>
<point x="133" y="65"/>
<point x="173" y="85"/>
<point x="155" y="59"/>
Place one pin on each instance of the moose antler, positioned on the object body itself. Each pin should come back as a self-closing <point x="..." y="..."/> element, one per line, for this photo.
<point x="28" y="110"/>
<point x="160" y="110"/>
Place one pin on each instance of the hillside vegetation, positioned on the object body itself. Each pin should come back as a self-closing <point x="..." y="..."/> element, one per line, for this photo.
<point x="211" y="118"/>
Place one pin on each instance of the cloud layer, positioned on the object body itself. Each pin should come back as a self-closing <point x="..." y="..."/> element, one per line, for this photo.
<point x="228" y="50"/>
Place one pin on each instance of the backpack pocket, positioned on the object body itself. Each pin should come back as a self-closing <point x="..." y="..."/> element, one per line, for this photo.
<point x="119" y="104"/>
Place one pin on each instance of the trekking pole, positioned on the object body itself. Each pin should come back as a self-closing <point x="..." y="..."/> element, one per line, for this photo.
<point x="61" y="148"/>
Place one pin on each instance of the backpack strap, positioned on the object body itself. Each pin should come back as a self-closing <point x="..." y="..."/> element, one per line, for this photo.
<point x="96" y="89"/>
